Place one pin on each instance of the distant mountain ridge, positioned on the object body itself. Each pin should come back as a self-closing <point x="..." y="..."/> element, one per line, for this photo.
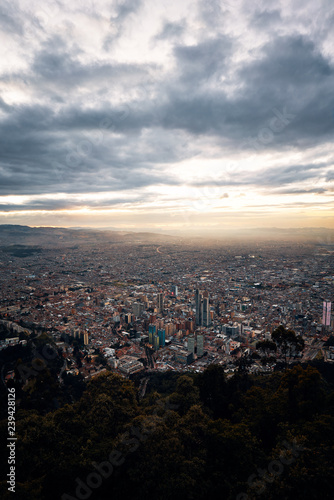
<point x="54" y="236"/>
<point x="11" y="234"/>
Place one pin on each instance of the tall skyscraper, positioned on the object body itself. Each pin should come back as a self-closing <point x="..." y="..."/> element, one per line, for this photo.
<point x="151" y="332"/>
<point x="198" y="305"/>
<point x="160" y="302"/>
<point x="200" y="345"/>
<point x="155" y="342"/>
<point x="162" y="337"/>
<point x="84" y="337"/>
<point x="191" y="344"/>
<point x="326" y="313"/>
<point x="174" y="291"/>
<point x="202" y="303"/>
<point x="151" y="328"/>
<point x="206" y="318"/>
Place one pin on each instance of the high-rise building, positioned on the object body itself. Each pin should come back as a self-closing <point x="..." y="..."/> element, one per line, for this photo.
<point x="155" y="342"/>
<point x="128" y="318"/>
<point x="326" y="313"/>
<point x="190" y="325"/>
<point x="160" y="302"/>
<point x="174" y="291"/>
<point x="184" y="357"/>
<point x="137" y="308"/>
<point x="151" y="333"/>
<point x="198" y="305"/>
<point x="206" y="318"/>
<point x="160" y="323"/>
<point x="200" y="345"/>
<point x="191" y="344"/>
<point x="170" y="328"/>
<point x="202" y="303"/>
<point x="230" y="330"/>
<point x="162" y="337"/>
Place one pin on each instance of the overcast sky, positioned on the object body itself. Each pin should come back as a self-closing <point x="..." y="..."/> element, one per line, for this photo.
<point x="167" y="115"/>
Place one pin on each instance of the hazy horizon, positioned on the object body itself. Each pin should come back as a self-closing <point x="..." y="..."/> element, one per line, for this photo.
<point x="13" y="235"/>
<point x="201" y="117"/>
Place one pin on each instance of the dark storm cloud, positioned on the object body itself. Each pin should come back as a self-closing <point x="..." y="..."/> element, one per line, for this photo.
<point x="290" y="61"/>
<point x="42" y="152"/>
<point x="289" y="74"/>
<point x="49" y="163"/>
<point x="202" y="61"/>
<point x="293" y="73"/>
<point x="60" y="66"/>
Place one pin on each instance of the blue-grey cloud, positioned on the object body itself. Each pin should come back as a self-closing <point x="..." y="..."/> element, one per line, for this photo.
<point x="264" y="19"/>
<point x="171" y="30"/>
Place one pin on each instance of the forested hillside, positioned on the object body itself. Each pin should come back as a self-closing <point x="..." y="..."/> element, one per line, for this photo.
<point x="197" y="437"/>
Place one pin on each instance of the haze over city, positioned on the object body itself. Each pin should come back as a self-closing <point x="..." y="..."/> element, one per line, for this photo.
<point x="167" y="116"/>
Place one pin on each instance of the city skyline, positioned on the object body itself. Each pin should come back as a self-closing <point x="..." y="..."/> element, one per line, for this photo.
<point x="200" y="117"/>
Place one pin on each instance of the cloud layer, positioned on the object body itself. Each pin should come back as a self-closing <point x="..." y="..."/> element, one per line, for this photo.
<point x="159" y="106"/>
